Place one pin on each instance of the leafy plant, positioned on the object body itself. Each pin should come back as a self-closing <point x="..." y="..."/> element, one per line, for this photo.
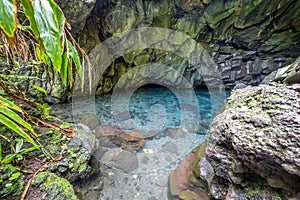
<point x="13" y="121"/>
<point x="18" y="154"/>
<point x="40" y="33"/>
<point x="47" y="25"/>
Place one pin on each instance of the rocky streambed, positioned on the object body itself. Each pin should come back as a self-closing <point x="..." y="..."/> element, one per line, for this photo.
<point x="134" y="162"/>
<point x="252" y="151"/>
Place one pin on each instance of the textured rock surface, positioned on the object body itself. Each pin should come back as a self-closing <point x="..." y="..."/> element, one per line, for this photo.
<point x="75" y="153"/>
<point x="120" y="159"/>
<point x="57" y="188"/>
<point x="247" y="39"/>
<point x="37" y="76"/>
<point x="253" y="151"/>
<point x="76" y="12"/>
<point x="289" y="74"/>
<point x="183" y="183"/>
<point x="110" y="136"/>
<point x="90" y="120"/>
<point x="254" y="145"/>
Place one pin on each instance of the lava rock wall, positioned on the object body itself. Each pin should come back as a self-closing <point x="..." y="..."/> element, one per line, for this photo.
<point x="247" y="39"/>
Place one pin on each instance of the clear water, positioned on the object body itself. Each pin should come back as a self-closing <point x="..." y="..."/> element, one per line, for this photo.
<point x="162" y="100"/>
<point x="152" y="109"/>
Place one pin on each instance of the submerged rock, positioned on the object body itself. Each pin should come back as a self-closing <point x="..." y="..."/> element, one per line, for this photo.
<point x="111" y="136"/>
<point x="90" y="120"/>
<point x="174" y="132"/>
<point x="120" y="159"/>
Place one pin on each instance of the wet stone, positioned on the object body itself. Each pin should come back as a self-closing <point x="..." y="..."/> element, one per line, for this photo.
<point x="132" y="141"/>
<point x="120" y="159"/>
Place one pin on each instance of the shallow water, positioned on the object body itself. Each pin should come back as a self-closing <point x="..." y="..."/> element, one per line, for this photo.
<point x="151" y="109"/>
<point x="164" y="103"/>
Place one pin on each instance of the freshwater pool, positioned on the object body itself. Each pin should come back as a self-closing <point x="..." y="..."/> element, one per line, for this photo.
<point x="150" y="109"/>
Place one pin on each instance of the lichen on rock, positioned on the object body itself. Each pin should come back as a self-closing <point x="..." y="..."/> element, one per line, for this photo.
<point x="254" y="145"/>
<point x="57" y="188"/>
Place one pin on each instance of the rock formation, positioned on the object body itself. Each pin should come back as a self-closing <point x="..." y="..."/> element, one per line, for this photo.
<point x="76" y="13"/>
<point x="254" y="145"/>
<point x="253" y="148"/>
<point x="247" y="39"/>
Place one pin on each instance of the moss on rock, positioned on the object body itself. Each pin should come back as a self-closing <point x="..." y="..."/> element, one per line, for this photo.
<point x="57" y="188"/>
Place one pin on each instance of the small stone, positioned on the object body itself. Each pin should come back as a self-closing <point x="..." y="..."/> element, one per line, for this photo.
<point x="62" y="169"/>
<point x="174" y="132"/>
<point x="170" y="147"/>
<point x="120" y="159"/>
<point x="90" y="120"/>
<point x="148" y="151"/>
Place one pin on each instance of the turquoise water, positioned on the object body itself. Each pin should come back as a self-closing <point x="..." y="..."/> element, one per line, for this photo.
<point x="152" y="109"/>
<point x="163" y="103"/>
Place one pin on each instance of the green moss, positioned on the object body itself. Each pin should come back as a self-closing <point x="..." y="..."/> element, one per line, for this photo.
<point x="57" y="188"/>
<point x="199" y="152"/>
<point x="11" y="183"/>
<point x="217" y="11"/>
<point x="172" y="187"/>
<point x="162" y="21"/>
<point x="258" y="191"/>
<point x="190" y="24"/>
<point x="53" y="139"/>
<point x="79" y="165"/>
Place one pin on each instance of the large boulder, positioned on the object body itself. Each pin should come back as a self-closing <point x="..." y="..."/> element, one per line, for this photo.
<point x="252" y="151"/>
<point x="253" y="147"/>
<point x="77" y="12"/>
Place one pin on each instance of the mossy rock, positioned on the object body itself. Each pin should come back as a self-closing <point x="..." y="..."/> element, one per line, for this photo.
<point x="218" y="11"/>
<point x="57" y="188"/>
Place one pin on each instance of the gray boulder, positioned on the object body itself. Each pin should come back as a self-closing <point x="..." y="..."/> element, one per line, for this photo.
<point x="254" y="145"/>
<point x="77" y="12"/>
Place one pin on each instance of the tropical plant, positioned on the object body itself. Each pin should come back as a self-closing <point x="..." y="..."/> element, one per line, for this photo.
<point x="47" y="26"/>
<point x="13" y="121"/>
<point x="34" y="29"/>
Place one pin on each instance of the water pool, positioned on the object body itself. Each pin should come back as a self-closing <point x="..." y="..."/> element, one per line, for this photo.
<point x="150" y="109"/>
